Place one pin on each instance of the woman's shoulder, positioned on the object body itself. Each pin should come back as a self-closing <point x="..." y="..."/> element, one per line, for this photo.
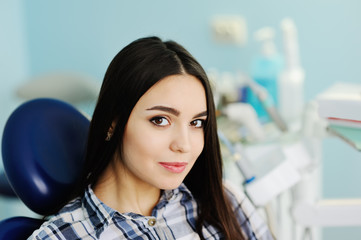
<point x="65" y="223"/>
<point x="241" y="205"/>
<point x="234" y="193"/>
<point x="246" y="213"/>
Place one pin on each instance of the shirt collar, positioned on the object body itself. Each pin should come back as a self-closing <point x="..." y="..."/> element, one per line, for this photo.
<point x="100" y="214"/>
<point x="171" y="194"/>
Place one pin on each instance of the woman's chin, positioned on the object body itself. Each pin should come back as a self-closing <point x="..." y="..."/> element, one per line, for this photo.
<point x="170" y="185"/>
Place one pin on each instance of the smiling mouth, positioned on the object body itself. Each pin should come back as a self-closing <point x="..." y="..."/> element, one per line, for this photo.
<point x="174" y="167"/>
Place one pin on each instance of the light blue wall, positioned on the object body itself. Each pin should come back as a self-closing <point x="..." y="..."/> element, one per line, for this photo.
<point x="41" y="36"/>
<point x="14" y="70"/>
<point x="85" y="35"/>
<point x="13" y="53"/>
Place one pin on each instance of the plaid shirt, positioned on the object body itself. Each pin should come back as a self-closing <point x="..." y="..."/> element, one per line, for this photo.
<point x="174" y="217"/>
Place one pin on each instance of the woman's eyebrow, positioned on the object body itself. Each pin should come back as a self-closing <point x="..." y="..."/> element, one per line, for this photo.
<point x="201" y="114"/>
<point x="174" y="111"/>
<point x="166" y="109"/>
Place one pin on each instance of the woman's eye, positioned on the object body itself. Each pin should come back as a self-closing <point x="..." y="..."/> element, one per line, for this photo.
<point x="160" y="121"/>
<point x="197" y="123"/>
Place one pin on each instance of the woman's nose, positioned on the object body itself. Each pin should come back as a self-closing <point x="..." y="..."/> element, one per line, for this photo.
<point x="181" y="140"/>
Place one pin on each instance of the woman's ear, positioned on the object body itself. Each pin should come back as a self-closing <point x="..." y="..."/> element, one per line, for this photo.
<point x="110" y="132"/>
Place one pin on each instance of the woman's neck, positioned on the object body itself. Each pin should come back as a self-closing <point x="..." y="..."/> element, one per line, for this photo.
<point x="122" y="191"/>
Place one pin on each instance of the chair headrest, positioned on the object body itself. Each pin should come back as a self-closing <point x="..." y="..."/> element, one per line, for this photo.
<point x="43" y="147"/>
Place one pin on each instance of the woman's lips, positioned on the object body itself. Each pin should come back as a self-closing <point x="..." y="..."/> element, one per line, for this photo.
<point x="174" y="167"/>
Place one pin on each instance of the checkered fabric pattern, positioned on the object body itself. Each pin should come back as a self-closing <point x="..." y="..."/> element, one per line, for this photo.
<point x="174" y="217"/>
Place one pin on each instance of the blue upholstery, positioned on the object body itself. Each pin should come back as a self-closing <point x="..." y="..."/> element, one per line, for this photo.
<point x="18" y="227"/>
<point x="5" y="188"/>
<point x="43" y="147"/>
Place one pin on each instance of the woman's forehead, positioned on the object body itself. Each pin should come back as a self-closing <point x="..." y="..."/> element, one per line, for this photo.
<point x="182" y="92"/>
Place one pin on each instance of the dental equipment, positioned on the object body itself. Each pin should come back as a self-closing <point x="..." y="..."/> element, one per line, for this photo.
<point x="245" y="114"/>
<point x="239" y="158"/>
<point x="268" y="103"/>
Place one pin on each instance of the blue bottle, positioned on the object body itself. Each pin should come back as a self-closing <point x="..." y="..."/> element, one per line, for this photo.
<point x="265" y="70"/>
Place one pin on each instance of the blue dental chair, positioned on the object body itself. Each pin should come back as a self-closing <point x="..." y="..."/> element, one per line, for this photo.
<point x="43" y="147"/>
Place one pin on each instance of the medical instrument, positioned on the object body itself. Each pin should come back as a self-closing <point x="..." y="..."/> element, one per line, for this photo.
<point x="245" y="114"/>
<point x="268" y="103"/>
<point x="239" y="158"/>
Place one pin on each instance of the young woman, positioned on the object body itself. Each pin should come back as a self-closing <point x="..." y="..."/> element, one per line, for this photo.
<point x="153" y="166"/>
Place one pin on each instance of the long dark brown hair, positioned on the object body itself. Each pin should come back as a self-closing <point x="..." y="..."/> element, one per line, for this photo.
<point x="131" y="73"/>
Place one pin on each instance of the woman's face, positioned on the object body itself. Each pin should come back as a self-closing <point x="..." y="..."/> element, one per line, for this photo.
<point x="164" y="135"/>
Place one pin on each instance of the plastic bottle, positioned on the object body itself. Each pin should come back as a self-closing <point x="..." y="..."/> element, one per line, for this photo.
<point x="291" y="82"/>
<point x="265" y="71"/>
